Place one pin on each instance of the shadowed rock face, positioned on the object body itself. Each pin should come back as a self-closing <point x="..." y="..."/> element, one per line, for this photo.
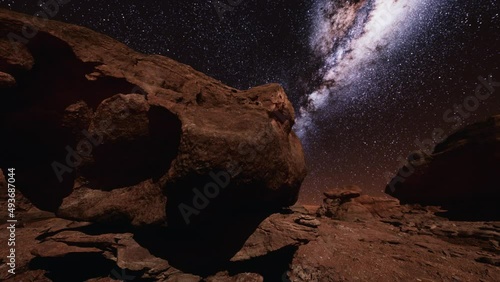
<point x="93" y="127"/>
<point x="461" y="175"/>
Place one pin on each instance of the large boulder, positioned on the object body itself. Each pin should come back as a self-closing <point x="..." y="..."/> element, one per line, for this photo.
<point x="461" y="174"/>
<point x="101" y="133"/>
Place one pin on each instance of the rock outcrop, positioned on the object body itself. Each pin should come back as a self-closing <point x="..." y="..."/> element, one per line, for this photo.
<point x="461" y="174"/>
<point x="411" y="243"/>
<point x="93" y="127"/>
<point x="277" y="232"/>
<point x="145" y="169"/>
<point x="414" y="246"/>
<point x="365" y="238"/>
<point x="348" y="204"/>
<point x="53" y="249"/>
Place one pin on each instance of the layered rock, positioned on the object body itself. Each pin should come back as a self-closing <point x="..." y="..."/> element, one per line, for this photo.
<point x="415" y="247"/>
<point x="461" y="174"/>
<point x="348" y="204"/>
<point x="366" y="238"/>
<point x="277" y="232"/>
<point x="94" y="126"/>
<point x="411" y="243"/>
<point x="53" y="249"/>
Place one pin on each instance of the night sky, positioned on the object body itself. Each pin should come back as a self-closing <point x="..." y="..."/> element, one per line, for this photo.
<point x="367" y="77"/>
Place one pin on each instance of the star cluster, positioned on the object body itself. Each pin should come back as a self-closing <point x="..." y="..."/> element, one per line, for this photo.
<point x="368" y="77"/>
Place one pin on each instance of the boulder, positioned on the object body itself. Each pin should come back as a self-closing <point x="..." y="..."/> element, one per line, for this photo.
<point x="344" y="193"/>
<point x="98" y="126"/>
<point x="461" y="174"/>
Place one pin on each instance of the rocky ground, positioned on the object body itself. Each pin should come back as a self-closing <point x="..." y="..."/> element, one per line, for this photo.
<point x="410" y="244"/>
<point x="377" y="240"/>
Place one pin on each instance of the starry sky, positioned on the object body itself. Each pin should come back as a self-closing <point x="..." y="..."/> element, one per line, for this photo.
<point x="368" y="78"/>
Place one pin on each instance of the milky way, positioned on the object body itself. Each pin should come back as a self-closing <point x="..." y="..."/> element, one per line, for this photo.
<point x="389" y="71"/>
<point x="349" y="37"/>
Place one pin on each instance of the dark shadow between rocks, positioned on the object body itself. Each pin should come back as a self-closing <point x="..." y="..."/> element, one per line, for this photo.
<point x="92" y="229"/>
<point x="273" y="266"/>
<point x="74" y="267"/>
<point x="214" y="235"/>
<point x="129" y="163"/>
<point x="203" y="250"/>
<point x="210" y="217"/>
<point x="213" y="197"/>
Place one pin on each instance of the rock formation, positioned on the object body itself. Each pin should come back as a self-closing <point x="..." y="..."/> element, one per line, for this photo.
<point x="348" y="204"/>
<point x="101" y="133"/>
<point x="415" y="246"/>
<point x="410" y="244"/>
<point x="462" y="174"/>
<point x="141" y="164"/>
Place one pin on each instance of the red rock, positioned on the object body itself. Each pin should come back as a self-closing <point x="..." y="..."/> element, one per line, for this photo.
<point x="17" y="58"/>
<point x="138" y="120"/>
<point x="277" y="232"/>
<point x="375" y="251"/>
<point x="344" y="193"/>
<point x="380" y="206"/>
<point x="182" y="277"/>
<point x="139" y="205"/>
<point x="6" y="80"/>
<point x="55" y="249"/>
<point x="349" y="205"/>
<point x="242" y="277"/>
